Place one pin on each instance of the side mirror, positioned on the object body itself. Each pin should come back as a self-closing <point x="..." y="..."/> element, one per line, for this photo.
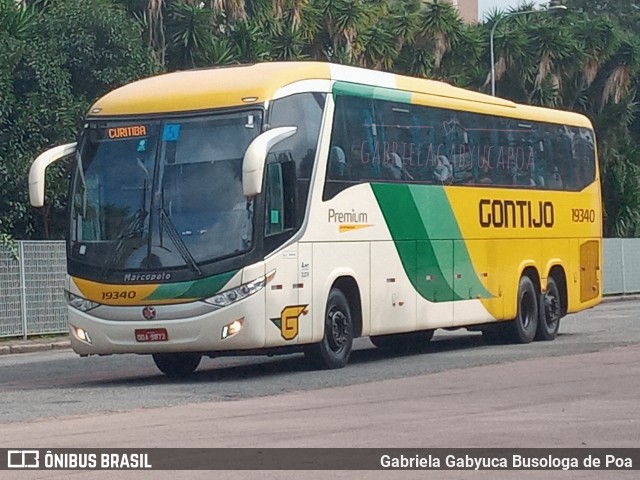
<point x="38" y="168"/>
<point x="255" y="156"/>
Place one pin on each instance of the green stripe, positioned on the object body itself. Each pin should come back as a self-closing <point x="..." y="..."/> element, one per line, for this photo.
<point x="429" y="242"/>
<point x="366" y="91"/>
<point x="202" y="288"/>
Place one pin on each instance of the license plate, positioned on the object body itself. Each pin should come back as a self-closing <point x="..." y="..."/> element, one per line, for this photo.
<point x="152" y="335"/>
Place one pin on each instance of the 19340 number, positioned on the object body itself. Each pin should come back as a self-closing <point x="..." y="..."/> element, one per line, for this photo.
<point x="119" y="295"/>
<point x="583" y="215"/>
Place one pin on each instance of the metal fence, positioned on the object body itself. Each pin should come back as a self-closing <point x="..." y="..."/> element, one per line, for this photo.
<point x="621" y="266"/>
<point x="32" y="289"/>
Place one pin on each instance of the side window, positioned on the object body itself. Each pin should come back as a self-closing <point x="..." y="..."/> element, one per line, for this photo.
<point x="394" y="142"/>
<point x="400" y="134"/>
<point x="492" y="151"/>
<point x="560" y="171"/>
<point x="303" y="111"/>
<point x="274" y="213"/>
<point x="280" y="197"/>
<point x="584" y="158"/>
<point x="453" y="160"/>
<point x="581" y="163"/>
<point x="354" y="139"/>
<point x="569" y="155"/>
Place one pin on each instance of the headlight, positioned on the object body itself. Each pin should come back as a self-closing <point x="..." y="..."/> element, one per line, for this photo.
<point x="80" y="303"/>
<point x="245" y="290"/>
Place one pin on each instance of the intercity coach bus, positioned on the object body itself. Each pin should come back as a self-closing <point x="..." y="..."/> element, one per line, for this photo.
<point x="285" y="207"/>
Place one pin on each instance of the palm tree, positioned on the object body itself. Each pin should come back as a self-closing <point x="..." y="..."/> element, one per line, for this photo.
<point x="515" y="56"/>
<point x="597" y="40"/>
<point x="439" y="28"/>
<point x="17" y="19"/>
<point x="623" y="69"/>
<point x="155" y="28"/>
<point x="234" y="9"/>
<point x="621" y="191"/>
<point x="557" y="52"/>
<point x="465" y="65"/>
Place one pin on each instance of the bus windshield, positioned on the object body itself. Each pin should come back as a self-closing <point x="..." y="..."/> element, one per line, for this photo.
<point x="162" y="194"/>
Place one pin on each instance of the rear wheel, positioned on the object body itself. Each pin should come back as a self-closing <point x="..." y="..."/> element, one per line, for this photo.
<point x="177" y="365"/>
<point x="335" y="348"/>
<point x="550" y="312"/>
<point x="523" y="328"/>
<point x="403" y="341"/>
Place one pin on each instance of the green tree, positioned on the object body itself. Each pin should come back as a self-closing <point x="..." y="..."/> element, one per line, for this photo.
<point x="585" y="59"/>
<point x="56" y="58"/>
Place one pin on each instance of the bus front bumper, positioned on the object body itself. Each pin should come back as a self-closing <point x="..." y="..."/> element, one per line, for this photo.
<point x="229" y="328"/>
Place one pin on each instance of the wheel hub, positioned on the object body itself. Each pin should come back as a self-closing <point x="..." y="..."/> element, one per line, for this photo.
<point x="552" y="308"/>
<point x="339" y="329"/>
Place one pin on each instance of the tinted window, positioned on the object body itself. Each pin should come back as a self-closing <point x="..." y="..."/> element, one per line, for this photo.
<point x="157" y="194"/>
<point x="375" y="140"/>
<point x="303" y="111"/>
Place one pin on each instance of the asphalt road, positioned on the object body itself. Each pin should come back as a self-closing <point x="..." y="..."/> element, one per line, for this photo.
<point x="579" y="391"/>
<point x="59" y="383"/>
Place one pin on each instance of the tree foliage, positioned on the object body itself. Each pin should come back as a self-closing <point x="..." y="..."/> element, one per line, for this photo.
<point x="56" y="58"/>
<point x="586" y="59"/>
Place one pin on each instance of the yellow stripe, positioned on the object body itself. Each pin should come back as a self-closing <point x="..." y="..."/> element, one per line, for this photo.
<point x="348" y="227"/>
<point x="109" y="294"/>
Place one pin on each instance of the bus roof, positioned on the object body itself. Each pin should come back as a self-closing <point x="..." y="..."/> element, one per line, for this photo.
<point x="206" y="89"/>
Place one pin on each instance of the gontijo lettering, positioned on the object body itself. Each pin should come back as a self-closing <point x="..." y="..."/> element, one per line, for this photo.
<point x="127" y="132"/>
<point x="515" y="214"/>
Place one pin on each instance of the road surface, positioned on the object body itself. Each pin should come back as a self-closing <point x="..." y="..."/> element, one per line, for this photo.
<point x="578" y="391"/>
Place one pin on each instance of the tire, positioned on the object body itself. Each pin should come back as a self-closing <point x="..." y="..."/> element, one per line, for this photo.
<point x="550" y="312"/>
<point x="335" y="348"/>
<point x="410" y="341"/>
<point x="523" y="328"/>
<point x="177" y="365"/>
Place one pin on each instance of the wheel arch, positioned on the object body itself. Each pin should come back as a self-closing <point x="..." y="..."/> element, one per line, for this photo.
<point x="557" y="272"/>
<point x="349" y="286"/>
<point x="531" y="271"/>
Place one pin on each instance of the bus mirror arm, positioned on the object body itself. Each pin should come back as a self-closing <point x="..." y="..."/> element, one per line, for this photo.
<point x="255" y="156"/>
<point x="39" y="167"/>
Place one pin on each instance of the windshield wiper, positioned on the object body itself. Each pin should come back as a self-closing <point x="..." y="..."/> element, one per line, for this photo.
<point x="134" y="227"/>
<point x="167" y="225"/>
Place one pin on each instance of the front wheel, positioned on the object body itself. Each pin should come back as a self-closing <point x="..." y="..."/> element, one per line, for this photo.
<point x="177" y="365"/>
<point x="550" y="312"/>
<point x="523" y="328"/>
<point x="335" y="348"/>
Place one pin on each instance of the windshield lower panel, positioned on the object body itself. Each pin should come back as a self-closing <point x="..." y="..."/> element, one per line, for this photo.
<point x="162" y="194"/>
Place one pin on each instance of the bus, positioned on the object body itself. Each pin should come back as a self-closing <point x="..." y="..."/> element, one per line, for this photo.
<point x="295" y="206"/>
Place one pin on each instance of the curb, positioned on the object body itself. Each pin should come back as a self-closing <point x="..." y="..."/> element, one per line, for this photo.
<point x="621" y="298"/>
<point x="23" y="346"/>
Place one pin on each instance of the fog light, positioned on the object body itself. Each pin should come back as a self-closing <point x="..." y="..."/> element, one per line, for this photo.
<point x="83" y="335"/>
<point x="232" y="328"/>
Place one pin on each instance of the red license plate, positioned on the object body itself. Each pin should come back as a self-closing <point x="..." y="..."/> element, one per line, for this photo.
<point x="152" y="335"/>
